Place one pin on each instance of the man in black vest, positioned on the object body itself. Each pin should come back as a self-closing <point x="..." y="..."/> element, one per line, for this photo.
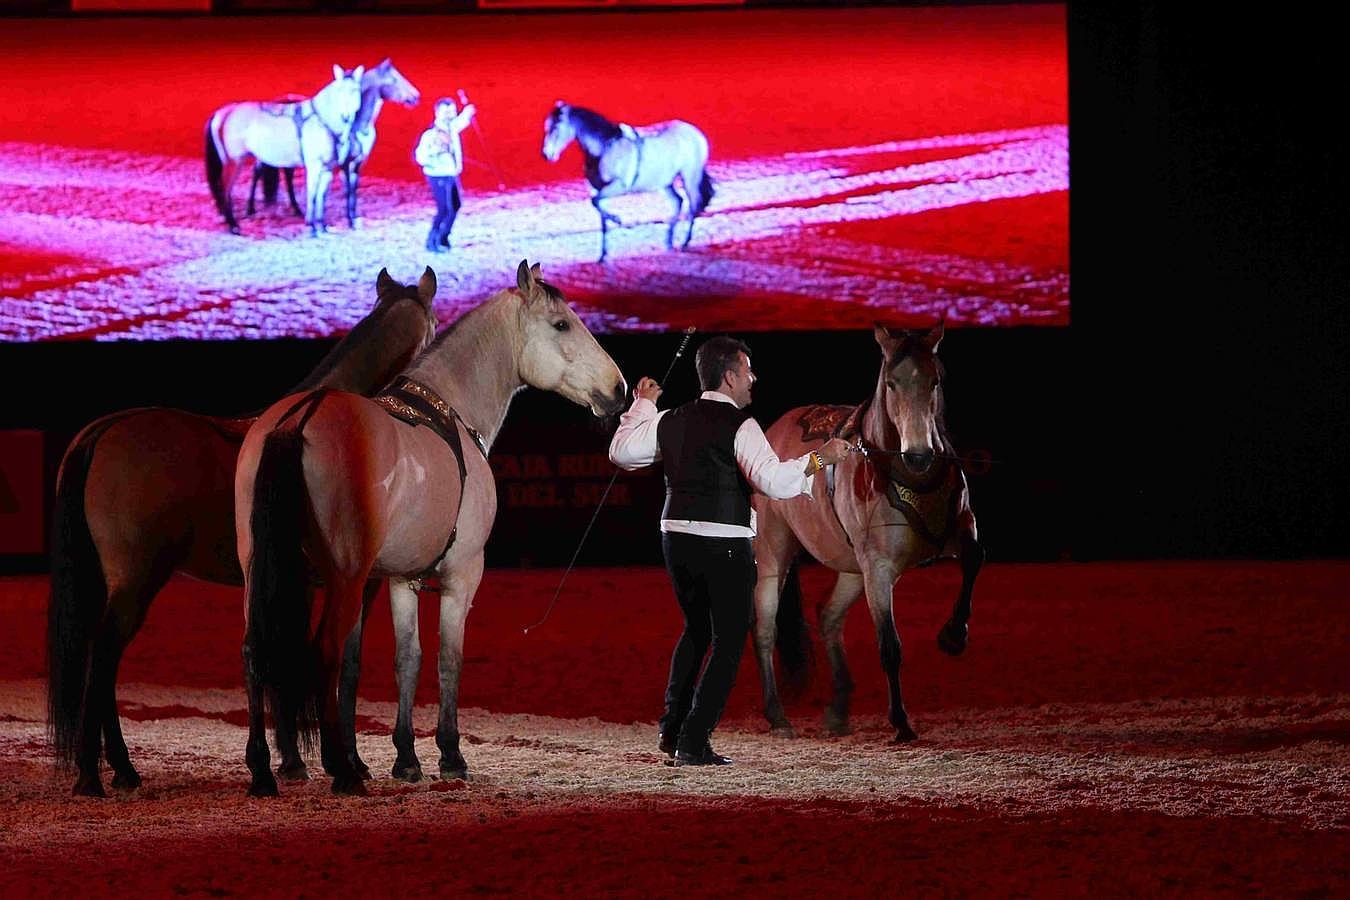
<point x="715" y="454"/>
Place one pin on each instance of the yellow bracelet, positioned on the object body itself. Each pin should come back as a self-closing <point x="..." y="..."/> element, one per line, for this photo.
<point x="815" y="460"/>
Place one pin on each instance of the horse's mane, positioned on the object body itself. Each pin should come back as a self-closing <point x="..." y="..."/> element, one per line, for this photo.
<point x="550" y="292"/>
<point x="358" y="335"/>
<point x="595" y="122"/>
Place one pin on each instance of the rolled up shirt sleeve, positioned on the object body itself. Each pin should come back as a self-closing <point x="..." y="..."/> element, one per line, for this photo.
<point x="634" y="444"/>
<point x="781" y="479"/>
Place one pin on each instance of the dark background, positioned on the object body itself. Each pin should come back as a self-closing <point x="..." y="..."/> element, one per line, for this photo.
<point x="1196" y="407"/>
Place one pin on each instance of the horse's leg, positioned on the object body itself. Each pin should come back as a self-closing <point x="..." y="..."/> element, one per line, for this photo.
<point x="253" y="188"/>
<point x="352" y="177"/>
<point x="775" y="548"/>
<point x="317" y="179"/>
<point x="229" y="172"/>
<point x="457" y="590"/>
<point x="407" y="668"/>
<point x="879" y="582"/>
<point x="351" y="675"/>
<point x="129" y="598"/>
<point x="952" y="636"/>
<point x="604" y="226"/>
<point x="847" y="589"/>
<point x="342" y="612"/>
<point x="290" y="191"/>
<point x="693" y="188"/>
<point x="256" y="753"/>
<point x="675" y="217"/>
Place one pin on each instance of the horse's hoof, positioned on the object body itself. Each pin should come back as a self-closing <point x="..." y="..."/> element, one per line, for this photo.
<point x="782" y="730"/>
<point x="88" y="786"/>
<point x="127" y="780"/>
<point x="904" y="734"/>
<point x="835" y="724"/>
<point x="952" y="638"/>
<point x="454" y="774"/>
<point x="350" y="786"/>
<point x="293" y="772"/>
<point x="234" y="229"/>
<point x="264" y="786"/>
<point x="411" y="773"/>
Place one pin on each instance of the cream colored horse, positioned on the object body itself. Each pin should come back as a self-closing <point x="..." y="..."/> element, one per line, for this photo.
<point x="352" y="489"/>
<point x="315" y="133"/>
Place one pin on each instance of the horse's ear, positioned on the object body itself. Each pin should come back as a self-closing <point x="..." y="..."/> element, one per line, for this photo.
<point x="426" y="287"/>
<point x="933" y="336"/>
<point x="558" y="104"/>
<point x="524" y="281"/>
<point x="884" y="338"/>
<point x="358" y="72"/>
<point x="338" y="73"/>
<point x="535" y="272"/>
<point x="383" y="282"/>
<point x="385" y="64"/>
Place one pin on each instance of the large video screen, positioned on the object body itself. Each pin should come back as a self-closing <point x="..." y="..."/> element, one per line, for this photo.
<point x="848" y="165"/>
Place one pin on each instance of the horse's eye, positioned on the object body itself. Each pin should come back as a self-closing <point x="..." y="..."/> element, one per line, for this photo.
<point x="561" y="325"/>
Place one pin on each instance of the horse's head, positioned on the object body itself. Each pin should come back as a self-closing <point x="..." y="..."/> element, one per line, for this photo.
<point x="392" y="85"/>
<point x="340" y="99"/>
<point x="910" y="390"/>
<point x="558" y="353"/>
<point x="391" y="293"/>
<point x="558" y="131"/>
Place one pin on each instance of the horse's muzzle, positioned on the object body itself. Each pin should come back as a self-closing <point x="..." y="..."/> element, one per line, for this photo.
<point x="611" y="404"/>
<point x="918" y="460"/>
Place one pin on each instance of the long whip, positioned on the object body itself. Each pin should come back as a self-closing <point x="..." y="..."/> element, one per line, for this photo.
<point x="478" y="130"/>
<point x="679" y="351"/>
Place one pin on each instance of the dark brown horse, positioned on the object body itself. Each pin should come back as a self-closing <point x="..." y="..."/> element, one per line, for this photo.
<point x="900" y="502"/>
<point x="147" y="492"/>
<point x="340" y="489"/>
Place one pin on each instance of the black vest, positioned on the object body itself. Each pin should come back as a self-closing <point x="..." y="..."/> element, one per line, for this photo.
<point x="703" y="481"/>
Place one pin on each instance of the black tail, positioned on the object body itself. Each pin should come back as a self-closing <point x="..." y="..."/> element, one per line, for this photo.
<point x="79" y="595"/>
<point x="795" y="652"/>
<point x="214" y="173"/>
<point x="705" y="193"/>
<point x="278" y="652"/>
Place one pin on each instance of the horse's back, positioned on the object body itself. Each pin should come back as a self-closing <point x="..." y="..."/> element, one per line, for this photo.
<point x="158" y="480"/>
<point x="379" y="490"/>
<point x="265" y="130"/>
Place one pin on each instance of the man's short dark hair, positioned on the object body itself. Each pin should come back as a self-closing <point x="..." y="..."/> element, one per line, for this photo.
<point x="715" y="358"/>
<point x="444" y="101"/>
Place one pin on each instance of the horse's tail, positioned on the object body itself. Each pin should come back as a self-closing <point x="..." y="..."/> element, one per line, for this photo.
<point x="78" y="598"/>
<point x="278" y="655"/>
<point x="794" y="636"/>
<point x="705" y="192"/>
<point x="215" y="167"/>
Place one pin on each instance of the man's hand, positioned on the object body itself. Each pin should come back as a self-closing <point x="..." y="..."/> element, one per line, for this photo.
<point x="833" y="451"/>
<point x="647" y="389"/>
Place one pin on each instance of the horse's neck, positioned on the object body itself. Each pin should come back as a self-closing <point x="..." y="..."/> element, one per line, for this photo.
<point x="474" y="367"/>
<point x="594" y="132"/>
<point x="371" y="103"/>
<point x="369" y="356"/>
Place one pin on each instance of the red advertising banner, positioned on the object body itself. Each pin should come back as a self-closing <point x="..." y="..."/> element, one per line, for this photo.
<point x="22" y="507"/>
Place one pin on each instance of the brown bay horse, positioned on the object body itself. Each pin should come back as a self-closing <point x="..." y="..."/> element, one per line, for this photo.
<point x="900" y="502"/>
<point x="340" y="489"/>
<point x="145" y="493"/>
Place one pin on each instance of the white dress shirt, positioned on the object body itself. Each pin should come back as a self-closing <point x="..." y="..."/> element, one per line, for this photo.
<point x="635" y="445"/>
<point x="439" y="151"/>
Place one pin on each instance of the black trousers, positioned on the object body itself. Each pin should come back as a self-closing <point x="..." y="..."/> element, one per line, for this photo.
<point x="714" y="580"/>
<point x="445" y="189"/>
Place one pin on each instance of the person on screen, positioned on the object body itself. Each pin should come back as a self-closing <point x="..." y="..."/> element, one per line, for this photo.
<point x="441" y="157"/>
<point x="715" y="454"/>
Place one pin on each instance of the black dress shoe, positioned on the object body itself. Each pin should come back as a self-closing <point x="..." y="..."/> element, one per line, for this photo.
<point x="666" y="743"/>
<point x="703" y="757"/>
